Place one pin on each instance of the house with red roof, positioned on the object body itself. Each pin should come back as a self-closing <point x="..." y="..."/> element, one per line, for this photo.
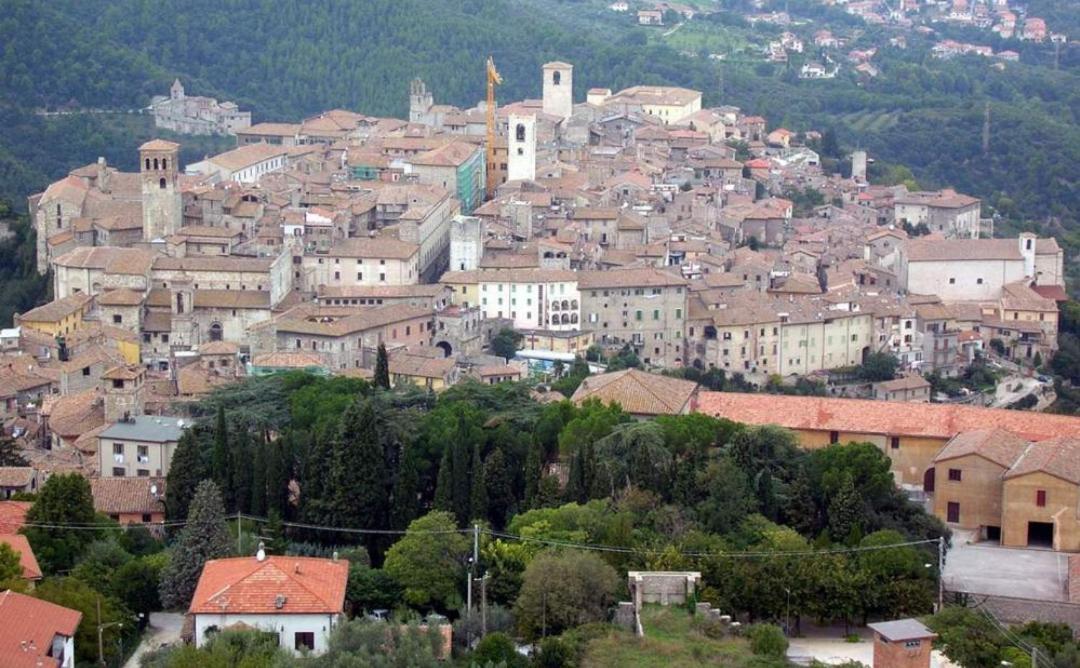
<point x="31" y="571"/>
<point x="299" y="599"/>
<point x="36" y="633"/>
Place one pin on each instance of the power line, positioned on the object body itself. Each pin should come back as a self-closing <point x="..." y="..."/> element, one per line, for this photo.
<point x="719" y="555"/>
<point x="378" y="532"/>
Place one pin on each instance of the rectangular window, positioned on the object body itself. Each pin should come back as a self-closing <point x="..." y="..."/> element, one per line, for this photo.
<point x="656" y="314"/>
<point x="637" y="315"/>
<point x="834" y="436"/>
<point x="952" y="514"/>
<point x="1040" y="498"/>
<point x="895" y="442"/>
<point x="117" y="319"/>
<point x="955" y="475"/>
<point x="304" y="640"/>
<point x="118" y="472"/>
<point x="118" y="448"/>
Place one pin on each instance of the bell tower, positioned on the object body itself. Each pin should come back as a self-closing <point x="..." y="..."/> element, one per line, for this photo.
<point x="161" y="201"/>
<point x="521" y="161"/>
<point x="559" y="89"/>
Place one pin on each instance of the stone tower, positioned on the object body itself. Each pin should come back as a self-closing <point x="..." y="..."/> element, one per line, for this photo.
<point x="858" y="166"/>
<point x="521" y="145"/>
<point x="161" y="202"/>
<point x="420" y="101"/>
<point x="176" y="91"/>
<point x="466" y="243"/>
<point x="123" y="389"/>
<point x="559" y="89"/>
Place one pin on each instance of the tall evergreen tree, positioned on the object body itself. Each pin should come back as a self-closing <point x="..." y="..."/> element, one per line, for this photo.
<point x="276" y="542"/>
<point x="845" y="511"/>
<point x="534" y="471"/>
<point x="204" y="537"/>
<point x="241" y="472"/>
<point x="382" y="368"/>
<point x="10" y="453"/>
<point x="220" y="457"/>
<point x="358" y="475"/>
<point x="478" y="496"/>
<point x="278" y="475"/>
<point x="575" y="491"/>
<point x="186" y="471"/>
<point x="460" y="470"/>
<point x="500" y="488"/>
<point x="315" y="488"/>
<point x="406" y="489"/>
<point x="444" y="483"/>
<point x="259" y="459"/>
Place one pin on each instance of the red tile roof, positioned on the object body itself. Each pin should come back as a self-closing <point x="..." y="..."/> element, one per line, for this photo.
<point x="1059" y="457"/>
<point x="638" y="392"/>
<point x="34" y="622"/>
<point x="29" y="563"/>
<point x="245" y="585"/>
<point x="13" y="515"/>
<point x="881" y="417"/>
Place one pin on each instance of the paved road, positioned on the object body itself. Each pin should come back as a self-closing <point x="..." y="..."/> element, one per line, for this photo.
<point x="1005" y="393"/>
<point x="987" y="568"/>
<point x="829" y="646"/>
<point x="164" y="628"/>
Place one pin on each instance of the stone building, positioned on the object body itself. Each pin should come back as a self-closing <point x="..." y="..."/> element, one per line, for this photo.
<point x="193" y="115"/>
<point x="645" y="308"/>
<point x="159" y="169"/>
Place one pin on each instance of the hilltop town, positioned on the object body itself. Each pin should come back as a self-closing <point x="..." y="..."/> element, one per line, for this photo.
<point x="629" y="262"/>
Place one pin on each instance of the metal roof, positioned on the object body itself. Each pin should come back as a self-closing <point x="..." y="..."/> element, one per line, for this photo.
<point x="152" y="428"/>
<point x="902" y="629"/>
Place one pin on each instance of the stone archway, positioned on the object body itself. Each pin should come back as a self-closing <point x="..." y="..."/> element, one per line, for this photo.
<point x="445" y="347"/>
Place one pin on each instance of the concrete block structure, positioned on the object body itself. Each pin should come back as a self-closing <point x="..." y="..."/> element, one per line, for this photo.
<point x="904" y="643"/>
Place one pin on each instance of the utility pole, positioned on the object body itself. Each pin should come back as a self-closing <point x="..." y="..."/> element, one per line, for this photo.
<point x="238" y="531"/>
<point x="941" y="573"/>
<point x="483" y="605"/>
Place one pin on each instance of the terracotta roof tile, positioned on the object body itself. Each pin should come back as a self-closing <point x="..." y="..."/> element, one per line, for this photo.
<point x="113" y="496"/>
<point x="881" y="417"/>
<point x="34" y="622"/>
<point x="303" y="585"/>
<point x="1059" y="457"/>
<point x="13" y="515"/>
<point x="29" y="562"/>
<point x="997" y="445"/>
<point x="638" y="392"/>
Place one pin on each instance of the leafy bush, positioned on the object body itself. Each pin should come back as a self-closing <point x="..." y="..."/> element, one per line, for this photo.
<point x="767" y="640"/>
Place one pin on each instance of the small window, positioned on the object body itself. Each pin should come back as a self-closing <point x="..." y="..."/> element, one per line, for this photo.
<point x="146" y="518"/>
<point x="1040" y="498"/>
<point x="556" y="78"/>
<point x="834" y="436"/>
<point x="118" y="472"/>
<point x="118" y="448"/>
<point x="117" y="318"/>
<point x="161" y="183"/>
<point x="952" y="281"/>
<point x="979" y="281"/>
<point x="86" y="371"/>
<point x="955" y="475"/>
<point x="304" y="640"/>
<point x="895" y="443"/>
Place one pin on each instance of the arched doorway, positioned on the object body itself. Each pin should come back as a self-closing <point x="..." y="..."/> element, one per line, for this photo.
<point x="445" y="347"/>
<point x="215" y="331"/>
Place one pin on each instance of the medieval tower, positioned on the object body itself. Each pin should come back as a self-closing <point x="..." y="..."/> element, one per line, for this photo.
<point x="521" y="146"/>
<point x="559" y="89"/>
<point x="161" y="201"/>
<point x="420" y="102"/>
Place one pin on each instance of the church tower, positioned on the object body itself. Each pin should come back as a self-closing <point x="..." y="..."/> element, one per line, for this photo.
<point x="521" y="145"/>
<point x="559" y="89"/>
<point x="161" y="202"/>
<point x="176" y="91"/>
<point x="420" y="102"/>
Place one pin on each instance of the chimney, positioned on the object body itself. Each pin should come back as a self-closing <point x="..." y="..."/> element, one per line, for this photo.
<point x="102" y="175"/>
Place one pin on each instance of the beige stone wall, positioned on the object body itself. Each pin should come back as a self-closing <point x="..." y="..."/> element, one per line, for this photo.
<point x="1020" y="508"/>
<point x="978" y="492"/>
<point x="658" y="337"/>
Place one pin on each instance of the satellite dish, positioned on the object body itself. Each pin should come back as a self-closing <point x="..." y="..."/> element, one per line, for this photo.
<point x="153" y="489"/>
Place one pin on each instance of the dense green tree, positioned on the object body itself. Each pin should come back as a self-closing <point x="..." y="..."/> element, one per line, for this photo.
<point x="371" y="589"/>
<point x="259" y="456"/>
<point x="226" y="649"/>
<point x="506" y="343"/>
<point x="361" y="642"/>
<point x="11" y="453"/>
<point x="115" y="619"/>
<point x="278" y="467"/>
<point x="428" y="561"/>
<point x="135" y="584"/>
<point x="878" y="367"/>
<point x="203" y="538"/>
<point x="221" y="458"/>
<point x="11" y="570"/>
<point x="723" y="497"/>
<point x="382" y="368"/>
<point x="359" y="477"/>
<point x="100" y="562"/>
<point x="967" y="637"/>
<point x="187" y="470"/>
<point x="276" y="542"/>
<point x="845" y="511"/>
<point x="534" y="472"/>
<point x="406" y="489"/>
<point x="242" y="475"/>
<point x="60" y="523"/>
<point x="561" y="590"/>
<point x="500" y="488"/>
<point x="478" y="493"/>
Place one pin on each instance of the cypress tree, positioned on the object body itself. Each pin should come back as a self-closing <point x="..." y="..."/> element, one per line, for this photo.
<point x="315" y="487"/>
<point x="259" y="458"/>
<point x="444" y="484"/>
<point x="186" y="471"/>
<point x="575" y="482"/>
<point x="382" y="368"/>
<point x="478" y="495"/>
<point x="359" y="475"/>
<point x="845" y="511"/>
<point x="500" y="488"/>
<point x="276" y="543"/>
<point x="459" y="470"/>
<point x="406" y="490"/>
<point x="204" y="537"/>
<point x="534" y="471"/>
<point x="220" y="456"/>
<point x="278" y="474"/>
<point x="241" y="472"/>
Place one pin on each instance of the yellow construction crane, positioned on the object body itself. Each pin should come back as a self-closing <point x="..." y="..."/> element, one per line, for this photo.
<point x="493" y="79"/>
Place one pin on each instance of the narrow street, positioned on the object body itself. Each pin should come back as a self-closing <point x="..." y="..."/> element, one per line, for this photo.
<point x="164" y="629"/>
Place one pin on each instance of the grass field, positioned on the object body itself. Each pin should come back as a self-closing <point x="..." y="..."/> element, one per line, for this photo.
<point x="871" y="121"/>
<point x="697" y="36"/>
<point x="671" y="641"/>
